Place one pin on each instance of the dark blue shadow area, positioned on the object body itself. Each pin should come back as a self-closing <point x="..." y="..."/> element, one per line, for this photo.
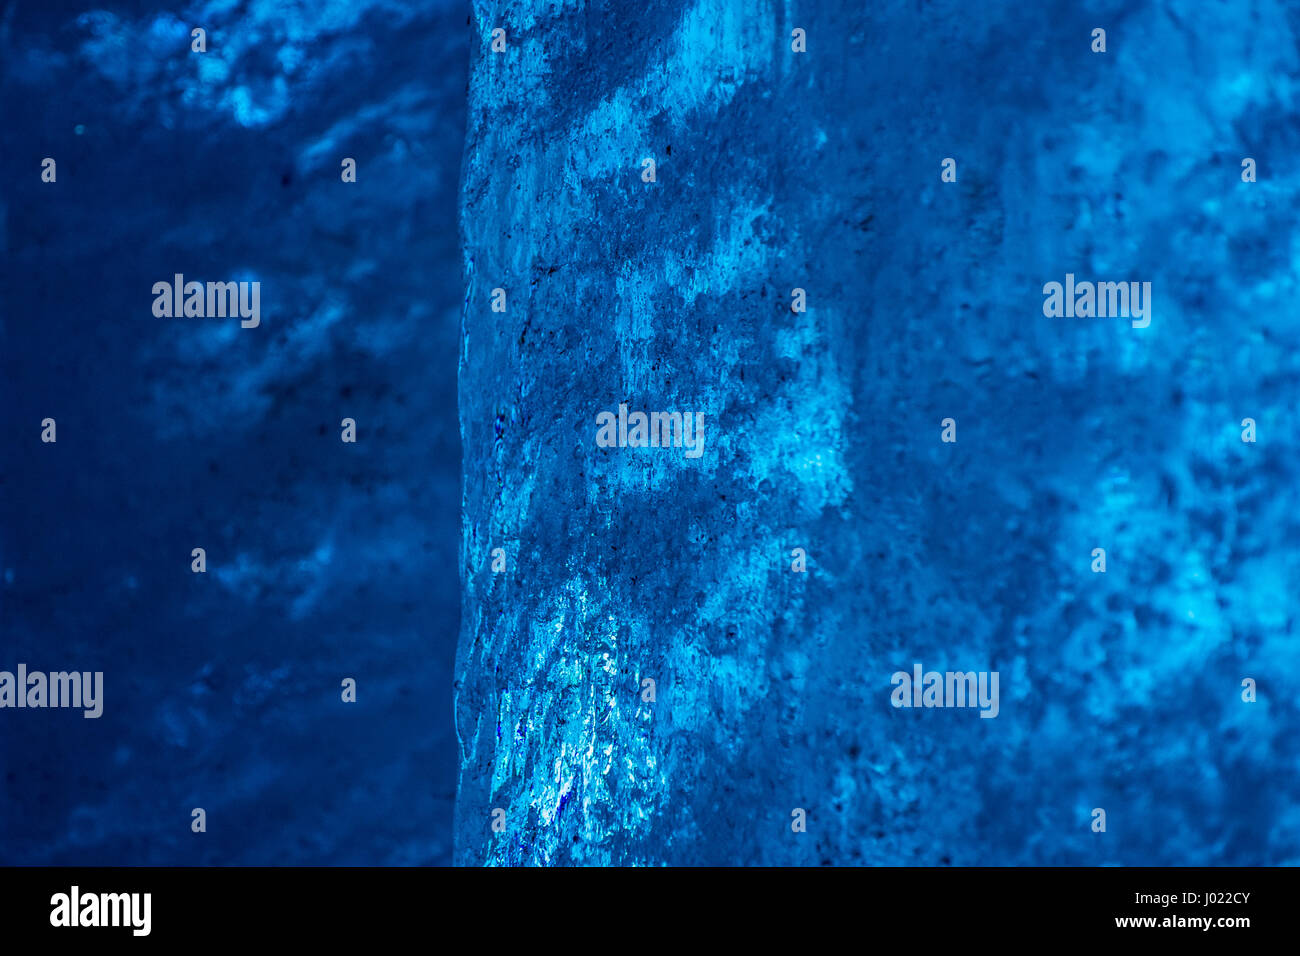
<point x="325" y="560"/>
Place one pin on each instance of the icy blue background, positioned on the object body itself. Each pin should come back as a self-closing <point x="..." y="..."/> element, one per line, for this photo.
<point x="822" y="171"/>
<point x="775" y="170"/>
<point x="325" y="560"/>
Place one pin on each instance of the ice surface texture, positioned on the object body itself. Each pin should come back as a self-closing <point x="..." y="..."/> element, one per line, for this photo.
<point x="821" y="171"/>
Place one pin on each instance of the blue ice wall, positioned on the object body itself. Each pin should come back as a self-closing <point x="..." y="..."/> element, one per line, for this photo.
<point x="325" y="560"/>
<point x="821" y="170"/>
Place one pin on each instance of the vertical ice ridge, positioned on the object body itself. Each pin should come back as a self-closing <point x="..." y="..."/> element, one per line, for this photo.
<point x="618" y="567"/>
